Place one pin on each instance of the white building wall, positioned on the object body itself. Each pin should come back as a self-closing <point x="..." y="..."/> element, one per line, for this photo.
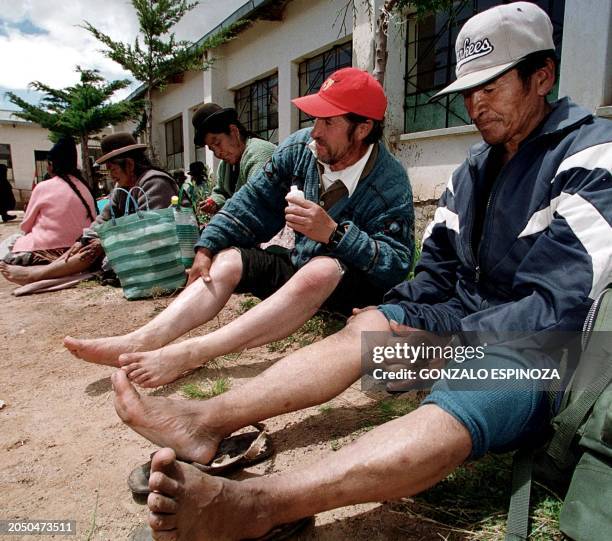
<point x="586" y="58"/>
<point x="24" y="140"/>
<point x="174" y="100"/>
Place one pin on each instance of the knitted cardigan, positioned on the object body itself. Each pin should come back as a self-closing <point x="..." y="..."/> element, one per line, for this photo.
<point x="254" y="157"/>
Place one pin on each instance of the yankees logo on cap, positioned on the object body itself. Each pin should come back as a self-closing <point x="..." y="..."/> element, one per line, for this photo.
<point x="496" y="40"/>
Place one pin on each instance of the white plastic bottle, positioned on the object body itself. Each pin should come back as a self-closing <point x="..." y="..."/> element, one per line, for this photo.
<point x="187" y="231"/>
<point x="295" y="192"/>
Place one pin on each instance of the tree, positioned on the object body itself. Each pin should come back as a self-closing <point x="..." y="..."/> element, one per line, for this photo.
<point x="161" y="56"/>
<point x="79" y="111"/>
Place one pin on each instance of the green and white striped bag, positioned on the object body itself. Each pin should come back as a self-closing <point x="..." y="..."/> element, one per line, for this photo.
<point x="143" y="250"/>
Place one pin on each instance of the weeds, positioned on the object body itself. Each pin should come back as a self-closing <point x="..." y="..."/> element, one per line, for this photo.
<point x="325" y="408"/>
<point x="321" y="325"/>
<point x="195" y="391"/>
<point x="418" y="246"/>
<point x="473" y="501"/>
<point x="247" y="303"/>
<point x="93" y="526"/>
<point x="87" y="284"/>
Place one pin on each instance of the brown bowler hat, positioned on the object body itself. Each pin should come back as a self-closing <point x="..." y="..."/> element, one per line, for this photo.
<point x="116" y="144"/>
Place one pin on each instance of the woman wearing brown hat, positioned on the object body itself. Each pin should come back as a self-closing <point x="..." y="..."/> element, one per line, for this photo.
<point x="129" y="168"/>
<point x="241" y="152"/>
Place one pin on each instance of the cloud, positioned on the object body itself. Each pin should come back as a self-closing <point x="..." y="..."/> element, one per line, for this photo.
<point x="41" y="40"/>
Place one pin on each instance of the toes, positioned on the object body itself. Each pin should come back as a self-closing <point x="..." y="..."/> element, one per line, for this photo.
<point x="165" y="473"/>
<point x="138" y="374"/>
<point x="128" y="359"/>
<point x="159" y="503"/>
<point x="164" y="484"/>
<point x="125" y="396"/>
<point x="162" y="522"/>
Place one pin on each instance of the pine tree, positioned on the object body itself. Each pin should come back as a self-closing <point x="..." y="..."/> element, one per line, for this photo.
<point x="160" y="56"/>
<point x="79" y="111"/>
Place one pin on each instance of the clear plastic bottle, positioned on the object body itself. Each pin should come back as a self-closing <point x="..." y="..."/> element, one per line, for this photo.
<point x="187" y="231"/>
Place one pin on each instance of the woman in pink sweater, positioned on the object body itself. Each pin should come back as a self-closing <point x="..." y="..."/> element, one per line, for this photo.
<point x="58" y="211"/>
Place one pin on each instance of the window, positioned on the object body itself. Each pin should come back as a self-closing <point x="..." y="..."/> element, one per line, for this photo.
<point x="430" y="62"/>
<point x="257" y="106"/>
<point x="313" y="71"/>
<point x="174" y="143"/>
<point x="5" y="158"/>
<point x="40" y="164"/>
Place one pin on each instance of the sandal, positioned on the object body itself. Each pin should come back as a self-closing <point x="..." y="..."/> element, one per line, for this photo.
<point x="234" y="453"/>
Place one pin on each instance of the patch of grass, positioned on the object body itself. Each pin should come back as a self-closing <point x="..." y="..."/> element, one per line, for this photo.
<point x="87" y="284"/>
<point x="93" y="526"/>
<point x="321" y="325"/>
<point x="247" y="303"/>
<point x="335" y="445"/>
<point x="195" y="391"/>
<point x="418" y="245"/>
<point x="325" y="408"/>
<point x="473" y="501"/>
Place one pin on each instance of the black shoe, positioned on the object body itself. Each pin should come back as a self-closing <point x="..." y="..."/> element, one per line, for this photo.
<point x="8" y="217"/>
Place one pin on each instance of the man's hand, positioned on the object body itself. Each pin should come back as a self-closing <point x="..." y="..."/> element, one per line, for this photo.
<point x="201" y="266"/>
<point x="309" y="219"/>
<point x="208" y="206"/>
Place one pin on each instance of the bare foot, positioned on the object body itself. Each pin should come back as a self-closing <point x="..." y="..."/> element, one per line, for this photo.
<point x="102" y="350"/>
<point x="166" y="422"/>
<point x="161" y="366"/>
<point x="17" y="274"/>
<point x="186" y="504"/>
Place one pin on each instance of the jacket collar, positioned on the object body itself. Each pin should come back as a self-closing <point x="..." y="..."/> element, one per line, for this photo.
<point x="564" y="115"/>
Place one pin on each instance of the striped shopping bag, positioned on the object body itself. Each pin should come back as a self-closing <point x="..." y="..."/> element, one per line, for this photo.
<point x="143" y="250"/>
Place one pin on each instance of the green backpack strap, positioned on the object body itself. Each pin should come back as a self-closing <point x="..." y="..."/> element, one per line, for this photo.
<point x="571" y="418"/>
<point x="568" y="423"/>
<point x="517" y="528"/>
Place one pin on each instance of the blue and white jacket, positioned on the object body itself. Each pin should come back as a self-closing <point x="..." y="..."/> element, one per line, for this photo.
<point x="378" y="217"/>
<point x="546" y="246"/>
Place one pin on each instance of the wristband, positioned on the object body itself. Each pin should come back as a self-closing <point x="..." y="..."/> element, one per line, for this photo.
<point x="336" y="237"/>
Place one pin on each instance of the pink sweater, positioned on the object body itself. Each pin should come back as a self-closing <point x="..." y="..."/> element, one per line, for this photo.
<point x="55" y="216"/>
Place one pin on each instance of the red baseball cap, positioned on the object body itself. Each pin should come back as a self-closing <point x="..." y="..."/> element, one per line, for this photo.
<point x="348" y="90"/>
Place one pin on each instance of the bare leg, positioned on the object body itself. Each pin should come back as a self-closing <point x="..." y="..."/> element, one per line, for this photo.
<point x="197" y="304"/>
<point x="274" y="318"/>
<point x="399" y="458"/>
<point x="305" y="378"/>
<point x="56" y="269"/>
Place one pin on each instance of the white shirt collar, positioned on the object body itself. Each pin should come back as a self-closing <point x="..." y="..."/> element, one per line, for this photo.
<point x="349" y="176"/>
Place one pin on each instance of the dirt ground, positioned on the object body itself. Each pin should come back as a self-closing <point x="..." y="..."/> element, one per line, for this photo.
<point x="66" y="455"/>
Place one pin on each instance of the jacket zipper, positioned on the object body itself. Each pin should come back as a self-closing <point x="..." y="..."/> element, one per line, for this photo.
<point x="471" y="228"/>
<point x="589" y="322"/>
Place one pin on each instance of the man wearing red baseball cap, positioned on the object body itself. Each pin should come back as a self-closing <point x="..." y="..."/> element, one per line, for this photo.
<point x="348" y="201"/>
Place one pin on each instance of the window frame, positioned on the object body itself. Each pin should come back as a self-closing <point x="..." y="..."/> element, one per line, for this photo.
<point x="448" y="111"/>
<point x="329" y="63"/>
<point x="174" y="151"/>
<point x="259" y="95"/>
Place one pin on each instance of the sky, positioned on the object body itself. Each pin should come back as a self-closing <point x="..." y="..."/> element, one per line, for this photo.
<point x="41" y="40"/>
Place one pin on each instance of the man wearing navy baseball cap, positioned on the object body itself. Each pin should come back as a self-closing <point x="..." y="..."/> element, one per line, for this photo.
<point x="348" y="201"/>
